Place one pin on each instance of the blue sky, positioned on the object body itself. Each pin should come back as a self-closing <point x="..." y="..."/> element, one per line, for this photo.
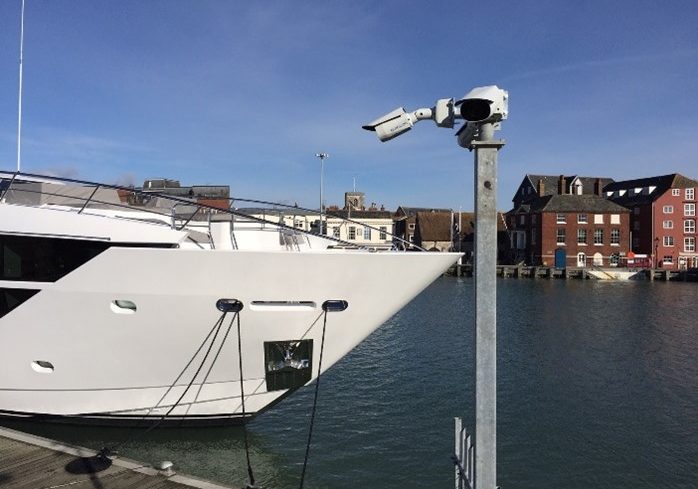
<point x="245" y="93"/>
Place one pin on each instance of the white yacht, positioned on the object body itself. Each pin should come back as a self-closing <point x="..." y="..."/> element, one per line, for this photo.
<point x="118" y="305"/>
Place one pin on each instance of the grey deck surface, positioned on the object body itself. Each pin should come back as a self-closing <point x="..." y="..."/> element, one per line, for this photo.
<point x="31" y="462"/>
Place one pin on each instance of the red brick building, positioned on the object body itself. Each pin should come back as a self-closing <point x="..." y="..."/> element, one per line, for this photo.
<point x="662" y="219"/>
<point x="566" y="222"/>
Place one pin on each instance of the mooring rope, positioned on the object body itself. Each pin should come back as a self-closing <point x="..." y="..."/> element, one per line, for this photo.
<point x="314" y="409"/>
<point x="251" y="484"/>
<point x="215" y="330"/>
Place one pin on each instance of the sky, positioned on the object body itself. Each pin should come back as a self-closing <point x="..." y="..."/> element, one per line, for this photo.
<point x="245" y="93"/>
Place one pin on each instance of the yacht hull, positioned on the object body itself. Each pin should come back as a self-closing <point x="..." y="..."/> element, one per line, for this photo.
<point x="73" y="352"/>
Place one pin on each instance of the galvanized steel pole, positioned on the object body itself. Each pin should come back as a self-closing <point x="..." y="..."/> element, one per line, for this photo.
<point x="486" y="308"/>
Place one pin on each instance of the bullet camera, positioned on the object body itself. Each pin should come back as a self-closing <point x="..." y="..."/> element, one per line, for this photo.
<point x="391" y="125"/>
<point x="484" y="104"/>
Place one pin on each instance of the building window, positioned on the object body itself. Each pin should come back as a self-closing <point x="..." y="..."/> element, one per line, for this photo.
<point x="335" y="231"/>
<point x="615" y="236"/>
<point x="297" y="223"/>
<point x="582" y="218"/>
<point x="522" y="220"/>
<point x="533" y="236"/>
<point x="668" y="259"/>
<point x="668" y="224"/>
<point x="614" y="260"/>
<point x="636" y="226"/>
<point x="676" y="192"/>
<point x="636" y="210"/>
<point x="598" y="218"/>
<point x="352" y="232"/>
<point x="689" y="209"/>
<point x="581" y="236"/>
<point x="636" y="243"/>
<point x="411" y="226"/>
<point x="689" y="244"/>
<point x="561" y="219"/>
<point x="561" y="236"/>
<point x="689" y="226"/>
<point x="598" y="236"/>
<point x="383" y="233"/>
<point x="367" y="234"/>
<point x="668" y="209"/>
<point x="690" y="194"/>
<point x="615" y="218"/>
<point x="534" y="219"/>
<point x="668" y="241"/>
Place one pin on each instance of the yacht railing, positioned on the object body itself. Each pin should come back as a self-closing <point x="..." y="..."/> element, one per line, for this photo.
<point x="168" y="210"/>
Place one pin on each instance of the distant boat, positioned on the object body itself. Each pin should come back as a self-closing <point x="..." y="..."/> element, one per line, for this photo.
<point x="615" y="274"/>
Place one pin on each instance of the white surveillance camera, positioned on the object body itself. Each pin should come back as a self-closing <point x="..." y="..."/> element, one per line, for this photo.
<point x="484" y="104"/>
<point x="467" y="134"/>
<point x="392" y="124"/>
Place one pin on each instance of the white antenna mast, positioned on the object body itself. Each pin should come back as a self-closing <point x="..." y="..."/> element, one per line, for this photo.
<point x="19" y="109"/>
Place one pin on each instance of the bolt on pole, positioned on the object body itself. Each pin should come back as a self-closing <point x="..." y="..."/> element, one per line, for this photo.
<point x="486" y="151"/>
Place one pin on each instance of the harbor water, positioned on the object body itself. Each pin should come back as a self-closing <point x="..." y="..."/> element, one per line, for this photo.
<point x="597" y="387"/>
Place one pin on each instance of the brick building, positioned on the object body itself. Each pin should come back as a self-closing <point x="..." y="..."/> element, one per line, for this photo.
<point x="662" y="219"/>
<point x="565" y="221"/>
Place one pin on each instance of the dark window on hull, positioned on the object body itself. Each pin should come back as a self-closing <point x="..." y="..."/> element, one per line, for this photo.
<point x="42" y="259"/>
<point x="39" y="259"/>
<point x="11" y="298"/>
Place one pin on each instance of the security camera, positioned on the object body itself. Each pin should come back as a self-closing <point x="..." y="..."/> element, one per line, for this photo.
<point x="484" y="104"/>
<point x="483" y="108"/>
<point x="391" y="125"/>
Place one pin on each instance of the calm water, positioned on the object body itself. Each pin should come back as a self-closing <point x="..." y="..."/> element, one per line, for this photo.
<point x="598" y="388"/>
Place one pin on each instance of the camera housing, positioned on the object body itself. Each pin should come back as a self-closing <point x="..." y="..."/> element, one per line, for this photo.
<point x="392" y="124"/>
<point x="484" y="104"/>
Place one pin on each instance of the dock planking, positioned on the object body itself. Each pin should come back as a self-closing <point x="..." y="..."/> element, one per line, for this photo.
<point x="32" y="462"/>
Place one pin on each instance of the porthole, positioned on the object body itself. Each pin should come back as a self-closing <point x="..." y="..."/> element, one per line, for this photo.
<point x="42" y="366"/>
<point x="120" y="306"/>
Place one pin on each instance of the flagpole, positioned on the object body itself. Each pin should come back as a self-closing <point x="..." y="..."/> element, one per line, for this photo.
<point x="19" y="109"/>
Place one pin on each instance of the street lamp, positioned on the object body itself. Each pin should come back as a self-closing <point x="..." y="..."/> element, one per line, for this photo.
<point x="322" y="157"/>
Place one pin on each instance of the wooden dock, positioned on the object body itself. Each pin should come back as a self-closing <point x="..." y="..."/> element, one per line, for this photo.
<point x="32" y="462"/>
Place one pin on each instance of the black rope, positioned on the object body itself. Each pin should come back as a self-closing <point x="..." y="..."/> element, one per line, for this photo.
<point x="312" y="415"/>
<point x="242" y="400"/>
<point x="215" y="330"/>
<point x="213" y="362"/>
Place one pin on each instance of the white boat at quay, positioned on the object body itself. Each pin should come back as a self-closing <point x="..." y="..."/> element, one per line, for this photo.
<point x="619" y="274"/>
<point x="118" y="305"/>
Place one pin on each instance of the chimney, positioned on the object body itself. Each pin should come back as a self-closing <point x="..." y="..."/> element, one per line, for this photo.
<point x="561" y="185"/>
<point x="541" y="187"/>
<point x="597" y="186"/>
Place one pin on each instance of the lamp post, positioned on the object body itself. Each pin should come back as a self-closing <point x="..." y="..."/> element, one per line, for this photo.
<point x="656" y="252"/>
<point x="322" y="157"/>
